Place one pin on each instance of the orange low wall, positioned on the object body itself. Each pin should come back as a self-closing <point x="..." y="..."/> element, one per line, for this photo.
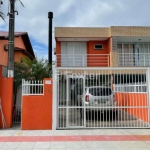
<point x="6" y="95"/>
<point x="37" y="110"/>
<point x="134" y="100"/>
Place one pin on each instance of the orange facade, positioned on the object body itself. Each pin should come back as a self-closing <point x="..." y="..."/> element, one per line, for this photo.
<point x="92" y="54"/>
<point x="37" y="110"/>
<point x="17" y="54"/>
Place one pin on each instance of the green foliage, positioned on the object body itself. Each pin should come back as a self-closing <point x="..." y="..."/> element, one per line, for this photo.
<point x="31" y="70"/>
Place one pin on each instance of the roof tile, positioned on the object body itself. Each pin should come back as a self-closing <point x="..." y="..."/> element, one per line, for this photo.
<point x="5" y="34"/>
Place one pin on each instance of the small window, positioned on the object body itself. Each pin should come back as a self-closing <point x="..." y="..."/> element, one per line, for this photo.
<point x="98" y="46"/>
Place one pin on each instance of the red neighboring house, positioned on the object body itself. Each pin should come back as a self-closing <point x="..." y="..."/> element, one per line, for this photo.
<point x="22" y="48"/>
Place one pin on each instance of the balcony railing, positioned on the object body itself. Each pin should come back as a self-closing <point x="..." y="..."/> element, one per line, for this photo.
<point x="78" y="60"/>
<point x="134" y="59"/>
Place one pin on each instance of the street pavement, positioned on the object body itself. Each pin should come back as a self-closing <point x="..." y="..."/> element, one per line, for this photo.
<point x="80" y="139"/>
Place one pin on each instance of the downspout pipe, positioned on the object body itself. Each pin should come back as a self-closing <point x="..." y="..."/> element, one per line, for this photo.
<point x="50" y="16"/>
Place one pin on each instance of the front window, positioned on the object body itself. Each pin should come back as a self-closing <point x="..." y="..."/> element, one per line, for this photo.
<point x="134" y="54"/>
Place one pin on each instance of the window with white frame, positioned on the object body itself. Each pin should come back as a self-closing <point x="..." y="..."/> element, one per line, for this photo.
<point x="126" y="57"/>
<point x="134" y="54"/>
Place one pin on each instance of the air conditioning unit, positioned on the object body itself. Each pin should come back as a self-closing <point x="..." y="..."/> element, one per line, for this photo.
<point x="6" y="47"/>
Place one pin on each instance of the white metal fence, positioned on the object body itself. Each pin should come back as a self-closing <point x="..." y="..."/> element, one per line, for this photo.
<point x="77" y="60"/>
<point x="32" y="87"/>
<point x="84" y="97"/>
<point x="131" y="88"/>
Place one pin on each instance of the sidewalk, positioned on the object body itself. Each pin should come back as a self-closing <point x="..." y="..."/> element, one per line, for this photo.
<point x="92" y="139"/>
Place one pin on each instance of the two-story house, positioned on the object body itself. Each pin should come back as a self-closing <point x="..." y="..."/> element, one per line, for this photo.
<point x="110" y="46"/>
<point x="115" y="46"/>
<point x="22" y="47"/>
<point x="91" y="60"/>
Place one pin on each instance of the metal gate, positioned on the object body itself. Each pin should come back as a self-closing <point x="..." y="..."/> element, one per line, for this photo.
<point x="16" y="117"/>
<point x="101" y="97"/>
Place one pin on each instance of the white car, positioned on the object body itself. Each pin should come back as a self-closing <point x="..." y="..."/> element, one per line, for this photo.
<point x="98" y="98"/>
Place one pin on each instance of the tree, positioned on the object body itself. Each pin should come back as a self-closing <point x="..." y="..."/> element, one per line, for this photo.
<point x="28" y="69"/>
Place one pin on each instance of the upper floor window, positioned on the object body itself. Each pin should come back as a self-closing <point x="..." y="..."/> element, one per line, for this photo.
<point x="98" y="46"/>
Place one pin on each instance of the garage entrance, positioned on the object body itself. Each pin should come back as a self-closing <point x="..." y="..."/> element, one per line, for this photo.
<point x="102" y="97"/>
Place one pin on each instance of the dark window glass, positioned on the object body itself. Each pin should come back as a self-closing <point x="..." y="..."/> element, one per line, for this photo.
<point x="98" y="46"/>
<point x="100" y="91"/>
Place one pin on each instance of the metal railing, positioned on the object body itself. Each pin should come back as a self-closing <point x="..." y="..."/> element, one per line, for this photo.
<point x="131" y="88"/>
<point x="134" y="59"/>
<point x="85" y="97"/>
<point x="32" y="87"/>
<point x="78" y="60"/>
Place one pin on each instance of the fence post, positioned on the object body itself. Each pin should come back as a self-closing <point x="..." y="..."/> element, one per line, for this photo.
<point x="54" y="100"/>
<point x="148" y="95"/>
<point x="22" y="101"/>
<point x="83" y="60"/>
<point x="22" y="86"/>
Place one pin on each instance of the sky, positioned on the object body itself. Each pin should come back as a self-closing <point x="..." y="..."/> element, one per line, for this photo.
<point x="33" y="18"/>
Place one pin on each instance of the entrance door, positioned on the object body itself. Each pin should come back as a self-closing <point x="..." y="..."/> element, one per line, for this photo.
<point x="74" y="108"/>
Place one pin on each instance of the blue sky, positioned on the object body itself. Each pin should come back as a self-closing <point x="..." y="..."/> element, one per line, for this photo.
<point x="40" y="49"/>
<point x="33" y="18"/>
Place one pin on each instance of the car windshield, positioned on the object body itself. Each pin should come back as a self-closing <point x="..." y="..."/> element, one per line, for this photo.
<point x="99" y="91"/>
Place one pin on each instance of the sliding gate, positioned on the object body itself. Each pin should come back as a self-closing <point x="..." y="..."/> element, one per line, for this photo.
<point x="102" y="97"/>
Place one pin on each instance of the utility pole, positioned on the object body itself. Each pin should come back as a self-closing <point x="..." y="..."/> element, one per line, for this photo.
<point x="11" y="39"/>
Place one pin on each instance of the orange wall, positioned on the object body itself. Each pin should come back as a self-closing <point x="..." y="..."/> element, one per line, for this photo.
<point x="37" y="110"/>
<point x="97" y="60"/>
<point x="58" y="47"/>
<point x="18" y="55"/>
<point x="90" y="50"/>
<point x="4" y="55"/>
<point x="6" y="95"/>
<point x="134" y="99"/>
<point x="58" y="52"/>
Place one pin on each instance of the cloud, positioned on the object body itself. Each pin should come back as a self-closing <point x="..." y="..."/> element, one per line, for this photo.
<point x="33" y="18"/>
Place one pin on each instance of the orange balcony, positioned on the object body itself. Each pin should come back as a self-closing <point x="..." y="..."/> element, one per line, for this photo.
<point x="77" y="60"/>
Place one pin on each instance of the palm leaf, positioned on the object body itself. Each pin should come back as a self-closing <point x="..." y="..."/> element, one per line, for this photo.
<point x="21" y="3"/>
<point x="2" y="16"/>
